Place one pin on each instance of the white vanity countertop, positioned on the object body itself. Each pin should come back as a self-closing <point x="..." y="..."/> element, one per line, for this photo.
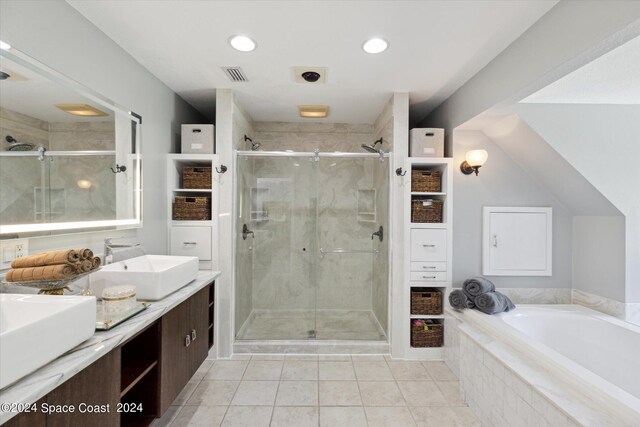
<point x="37" y="384"/>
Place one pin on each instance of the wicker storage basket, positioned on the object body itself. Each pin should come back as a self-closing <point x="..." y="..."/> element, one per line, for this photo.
<point x="426" y="301"/>
<point x="431" y="334"/>
<point x="192" y="208"/>
<point x="426" y="210"/>
<point x="426" y="180"/>
<point x="196" y="177"/>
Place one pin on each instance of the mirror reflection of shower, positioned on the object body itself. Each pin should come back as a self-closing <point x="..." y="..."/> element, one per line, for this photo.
<point x="371" y="148"/>
<point x="14" y="145"/>
<point x="254" y="145"/>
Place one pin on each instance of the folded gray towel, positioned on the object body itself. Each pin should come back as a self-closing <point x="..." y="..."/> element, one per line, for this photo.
<point x="459" y="300"/>
<point x="477" y="285"/>
<point x="493" y="302"/>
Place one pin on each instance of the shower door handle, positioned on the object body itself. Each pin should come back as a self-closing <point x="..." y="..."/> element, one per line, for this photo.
<point x="246" y="232"/>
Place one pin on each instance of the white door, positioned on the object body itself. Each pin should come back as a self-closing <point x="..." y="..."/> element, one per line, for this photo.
<point x="517" y="241"/>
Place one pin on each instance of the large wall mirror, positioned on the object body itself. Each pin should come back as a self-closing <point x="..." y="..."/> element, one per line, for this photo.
<point x="69" y="158"/>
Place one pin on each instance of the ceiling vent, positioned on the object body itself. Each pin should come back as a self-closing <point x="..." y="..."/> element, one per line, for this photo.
<point x="313" y="75"/>
<point x="235" y="74"/>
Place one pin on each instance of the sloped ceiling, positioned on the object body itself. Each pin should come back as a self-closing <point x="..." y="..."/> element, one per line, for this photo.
<point x="532" y="153"/>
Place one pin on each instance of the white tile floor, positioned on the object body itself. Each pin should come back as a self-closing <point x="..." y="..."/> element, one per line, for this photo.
<point x="325" y="391"/>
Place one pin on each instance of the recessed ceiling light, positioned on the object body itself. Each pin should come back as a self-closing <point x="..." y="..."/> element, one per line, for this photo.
<point x="4" y="46"/>
<point x="242" y="43"/>
<point x="375" y="45"/>
<point x="81" y="110"/>
<point x="313" y="111"/>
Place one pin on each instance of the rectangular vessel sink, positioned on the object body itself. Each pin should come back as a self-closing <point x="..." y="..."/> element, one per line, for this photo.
<point x="154" y="276"/>
<point x="36" y="329"/>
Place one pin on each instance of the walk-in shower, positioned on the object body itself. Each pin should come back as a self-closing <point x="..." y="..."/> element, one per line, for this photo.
<point x="311" y="253"/>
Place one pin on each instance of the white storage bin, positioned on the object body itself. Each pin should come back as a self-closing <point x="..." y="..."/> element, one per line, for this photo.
<point x="198" y="139"/>
<point x="426" y="142"/>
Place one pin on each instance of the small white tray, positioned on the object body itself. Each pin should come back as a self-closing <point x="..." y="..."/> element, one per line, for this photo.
<point x="106" y="322"/>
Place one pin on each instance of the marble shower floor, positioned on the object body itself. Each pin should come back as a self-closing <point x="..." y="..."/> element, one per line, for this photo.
<point x="297" y="324"/>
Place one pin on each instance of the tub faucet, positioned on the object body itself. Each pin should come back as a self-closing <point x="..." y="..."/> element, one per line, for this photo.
<point x="109" y="246"/>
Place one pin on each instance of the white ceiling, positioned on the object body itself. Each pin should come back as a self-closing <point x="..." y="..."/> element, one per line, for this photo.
<point x="435" y="47"/>
<point x="36" y="96"/>
<point x="613" y="78"/>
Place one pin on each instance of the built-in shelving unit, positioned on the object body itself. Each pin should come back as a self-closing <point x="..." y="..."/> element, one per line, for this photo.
<point x="193" y="237"/>
<point x="428" y="250"/>
<point x="139" y="376"/>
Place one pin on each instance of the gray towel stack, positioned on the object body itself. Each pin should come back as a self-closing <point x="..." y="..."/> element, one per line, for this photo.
<point x="479" y="292"/>
<point x="493" y="302"/>
<point x="460" y="300"/>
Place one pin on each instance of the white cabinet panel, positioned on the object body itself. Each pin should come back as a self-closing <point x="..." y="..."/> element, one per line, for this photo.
<point x="433" y="276"/>
<point x="517" y="241"/>
<point x="429" y="266"/>
<point x="428" y="245"/>
<point x="191" y="241"/>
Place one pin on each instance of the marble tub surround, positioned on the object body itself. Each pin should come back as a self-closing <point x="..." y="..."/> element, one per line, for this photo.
<point x="506" y="383"/>
<point x="629" y="312"/>
<point x="537" y="295"/>
<point x="39" y="383"/>
<point x="309" y="390"/>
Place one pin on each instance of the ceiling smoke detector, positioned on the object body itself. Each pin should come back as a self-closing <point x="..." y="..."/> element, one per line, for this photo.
<point x="312" y="75"/>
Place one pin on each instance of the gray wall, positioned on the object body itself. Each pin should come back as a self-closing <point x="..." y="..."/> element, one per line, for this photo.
<point x="501" y="182"/>
<point x="54" y="33"/>
<point x="556" y="45"/>
<point x="598" y="255"/>
<point x="602" y="143"/>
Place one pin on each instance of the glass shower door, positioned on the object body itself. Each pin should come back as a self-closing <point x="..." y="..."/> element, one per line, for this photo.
<point x="275" y="287"/>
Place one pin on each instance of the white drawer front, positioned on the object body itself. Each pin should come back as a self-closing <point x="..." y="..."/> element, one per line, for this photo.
<point x="428" y="245"/>
<point x="429" y="276"/>
<point x="191" y="241"/>
<point x="429" y="266"/>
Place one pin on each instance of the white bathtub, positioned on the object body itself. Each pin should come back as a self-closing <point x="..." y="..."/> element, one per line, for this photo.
<point x="598" y="353"/>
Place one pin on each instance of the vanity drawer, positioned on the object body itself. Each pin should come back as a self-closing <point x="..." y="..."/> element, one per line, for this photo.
<point x="428" y="244"/>
<point x="191" y="241"/>
<point x="429" y="266"/>
<point x="429" y="276"/>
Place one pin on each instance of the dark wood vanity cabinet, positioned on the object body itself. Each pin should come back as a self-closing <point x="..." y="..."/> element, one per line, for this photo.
<point x="88" y="392"/>
<point x="142" y="376"/>
<point x="184" y="345"/>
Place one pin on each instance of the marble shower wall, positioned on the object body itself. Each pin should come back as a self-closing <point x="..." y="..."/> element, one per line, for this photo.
<point x="380" y="291"/>
<point x="282" y="215"/>
<point x="345" y="219"/>
<point x="242" y="125"/>
<point x="23" y="178"/>
<point x="280" y="136"/>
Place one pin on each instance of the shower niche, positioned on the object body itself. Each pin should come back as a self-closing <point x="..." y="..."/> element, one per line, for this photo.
<point x="367" y="205"/>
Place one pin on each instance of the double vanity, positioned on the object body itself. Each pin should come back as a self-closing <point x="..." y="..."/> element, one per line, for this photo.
<point x="128" y="375"/>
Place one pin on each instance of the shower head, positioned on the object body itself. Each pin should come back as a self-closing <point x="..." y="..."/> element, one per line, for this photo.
<point x="369" y="148"/>
<point x="372" y="147"/>
<point x="20" y="147"/>
<point x="254" y="145"/>
<point x="17" y="146"/>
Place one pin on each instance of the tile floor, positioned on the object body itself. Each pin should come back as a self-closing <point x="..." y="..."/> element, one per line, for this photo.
<point x="325" y="391"/>
<point x="296" y="324"/>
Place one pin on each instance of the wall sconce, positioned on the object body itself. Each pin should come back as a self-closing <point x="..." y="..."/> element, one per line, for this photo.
<point x="85" y="184"/>
<point x="473" y="160"/>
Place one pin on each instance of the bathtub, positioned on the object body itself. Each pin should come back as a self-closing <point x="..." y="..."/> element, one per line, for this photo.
<point x="596" y="354"/>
